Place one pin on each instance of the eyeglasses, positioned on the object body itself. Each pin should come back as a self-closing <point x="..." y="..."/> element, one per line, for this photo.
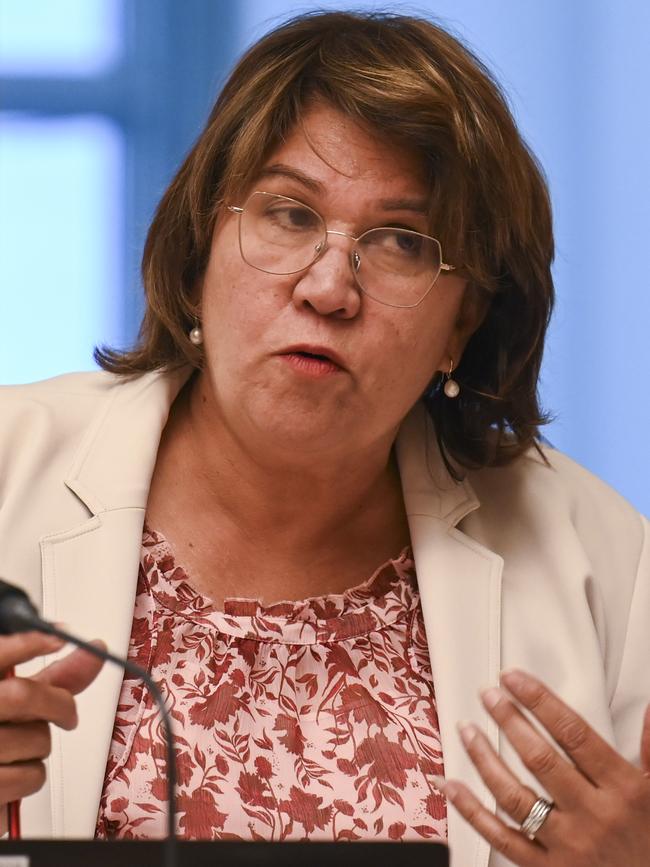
<point x="280" y="235"/>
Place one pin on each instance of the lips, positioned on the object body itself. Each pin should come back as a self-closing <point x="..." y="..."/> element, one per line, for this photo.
<point x="323" y="353"/>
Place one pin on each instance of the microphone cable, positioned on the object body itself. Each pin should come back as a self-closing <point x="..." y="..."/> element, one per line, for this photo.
<point x="17" y="614"/>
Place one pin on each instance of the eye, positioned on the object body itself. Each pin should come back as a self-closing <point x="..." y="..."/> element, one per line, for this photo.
<point x="292" y="217"/>
<point x="396" y="242"/>
<point x="408" y="243"/>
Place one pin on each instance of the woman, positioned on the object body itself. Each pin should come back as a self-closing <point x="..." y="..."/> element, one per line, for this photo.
<point x="348" y="285"/>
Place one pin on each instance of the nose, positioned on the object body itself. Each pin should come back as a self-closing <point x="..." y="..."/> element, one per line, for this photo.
<point x="328" y="286"/>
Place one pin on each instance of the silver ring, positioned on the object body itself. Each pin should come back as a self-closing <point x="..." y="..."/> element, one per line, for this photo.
<point x="536" y="818"/>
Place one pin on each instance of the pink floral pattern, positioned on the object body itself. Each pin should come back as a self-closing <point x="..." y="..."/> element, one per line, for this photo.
<point x="311" y="720"/>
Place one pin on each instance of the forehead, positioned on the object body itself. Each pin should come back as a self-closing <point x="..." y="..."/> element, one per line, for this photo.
<point x="339" y="154"/>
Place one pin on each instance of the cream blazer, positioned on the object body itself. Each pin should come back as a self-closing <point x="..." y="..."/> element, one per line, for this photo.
<point x="542" y="568"/>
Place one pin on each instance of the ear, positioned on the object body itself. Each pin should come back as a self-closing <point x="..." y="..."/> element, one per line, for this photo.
<point x="473" y="308"/>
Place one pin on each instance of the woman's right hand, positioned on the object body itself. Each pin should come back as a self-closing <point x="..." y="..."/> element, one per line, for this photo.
<point x="29" y="705"/>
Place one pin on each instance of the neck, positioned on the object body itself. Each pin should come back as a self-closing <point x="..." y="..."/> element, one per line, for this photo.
<point x="299" y="501"/>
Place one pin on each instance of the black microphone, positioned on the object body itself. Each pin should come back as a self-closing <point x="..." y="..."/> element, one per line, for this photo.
<point x="17" y="614"/>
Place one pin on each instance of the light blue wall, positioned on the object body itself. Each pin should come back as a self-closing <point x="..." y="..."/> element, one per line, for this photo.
<point x="60" y="243"/>
<point x="577" y="76"/>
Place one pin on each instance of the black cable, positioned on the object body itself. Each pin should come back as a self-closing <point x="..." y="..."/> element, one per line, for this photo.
<point x="17" y="614"/>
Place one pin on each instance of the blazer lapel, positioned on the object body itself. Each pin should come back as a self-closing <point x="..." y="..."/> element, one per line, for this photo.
<point x="89" y="578"/>
<point x="89" y="575"/>
<point x="460" y="588"/>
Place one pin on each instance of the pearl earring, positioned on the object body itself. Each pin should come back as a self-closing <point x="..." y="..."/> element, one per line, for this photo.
<point x="196" y="335"/>
<point x="451" y="387"/>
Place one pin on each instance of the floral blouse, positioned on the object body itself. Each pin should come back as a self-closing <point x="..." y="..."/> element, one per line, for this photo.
<point x="310" y="720"/>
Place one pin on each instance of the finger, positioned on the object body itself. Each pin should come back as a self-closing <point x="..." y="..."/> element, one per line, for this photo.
<point x="74" y="672"/>
<point x="566" y="785"/>
<point x="24" y="700"/>
<point x="16" y="649"/>
<point x="24" y="742"/>
<point x="599" y="762"/>
<point x="20" y="780"/>
<point x="511" y="795"/>
<point x="645" y="741"/>
<point x="508" y="841"/>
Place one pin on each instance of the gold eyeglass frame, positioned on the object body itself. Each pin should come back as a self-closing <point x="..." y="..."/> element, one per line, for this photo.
<point x="321" y="248"/>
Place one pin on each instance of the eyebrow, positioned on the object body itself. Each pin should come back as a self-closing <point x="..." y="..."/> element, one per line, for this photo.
<point x="281" y="170"/>
<point x="416" y="205"/>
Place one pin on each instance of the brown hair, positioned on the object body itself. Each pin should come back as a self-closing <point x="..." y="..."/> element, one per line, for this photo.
<point x="489" y="203"/>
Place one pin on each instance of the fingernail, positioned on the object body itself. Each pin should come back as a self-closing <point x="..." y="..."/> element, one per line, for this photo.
<point x="99" y="643"/>
<point x="492" y="696"/>
<point x="467" y="732"/>
<point x="447" y="787"/>
<point x="513" y="678"/>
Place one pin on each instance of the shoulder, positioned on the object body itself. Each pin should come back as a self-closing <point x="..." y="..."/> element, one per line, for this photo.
<point x="73" y="398"/>
<point x="70" y="389"/>
<point x="553" y="474"/>
<point x="40" y="413"/>
<point x="45" y="421"/>
<point x="553" y="480"/>
<point x="557" y="502"/>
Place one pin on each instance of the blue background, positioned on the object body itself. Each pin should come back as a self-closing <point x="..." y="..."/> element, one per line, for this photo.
<point x="100" y="99"/>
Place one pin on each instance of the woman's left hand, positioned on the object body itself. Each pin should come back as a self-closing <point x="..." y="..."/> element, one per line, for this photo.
<point x="601" y="813"/>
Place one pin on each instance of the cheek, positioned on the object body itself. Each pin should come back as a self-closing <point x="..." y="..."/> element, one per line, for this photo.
<point x="436" y="325"/>
<point x="413" y="346"/>
<point x="225" y="306"/>
<point x="419" y="345"/>
<point x="239" y="309"/>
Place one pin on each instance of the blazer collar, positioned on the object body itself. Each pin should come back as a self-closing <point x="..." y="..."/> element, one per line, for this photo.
<point x="427" y="485"/>
<point x="107" y="472"/>
<point x="459" y="581"/>
<point x="89" y="576"/>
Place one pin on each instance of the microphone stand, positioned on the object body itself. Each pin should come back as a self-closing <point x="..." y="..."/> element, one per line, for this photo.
<point x="17" y="614"/>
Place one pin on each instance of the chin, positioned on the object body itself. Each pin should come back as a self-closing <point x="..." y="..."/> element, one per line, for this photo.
<point x="291" y="422"/>
<point x="306" y="431"/>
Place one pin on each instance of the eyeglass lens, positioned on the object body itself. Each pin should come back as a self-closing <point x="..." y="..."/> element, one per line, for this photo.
<point x="280" y="235"/>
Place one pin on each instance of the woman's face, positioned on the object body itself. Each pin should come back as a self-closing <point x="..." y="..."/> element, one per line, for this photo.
<point x="253" y="320"/>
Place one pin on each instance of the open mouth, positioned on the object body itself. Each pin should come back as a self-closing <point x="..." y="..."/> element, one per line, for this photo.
<point x="314" y="355"/>
<point x="313" y="363"/>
